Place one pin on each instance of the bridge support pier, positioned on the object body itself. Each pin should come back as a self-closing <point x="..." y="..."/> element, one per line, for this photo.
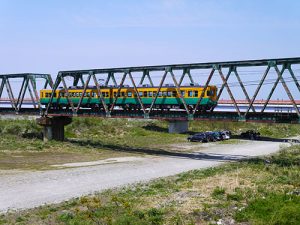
<point x="54" y="127"/>
<point x="178" y="126"/>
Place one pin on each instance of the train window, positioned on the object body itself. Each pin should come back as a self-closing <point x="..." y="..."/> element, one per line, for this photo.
<point x="129" y="94"/>
<point x="145" y="93"/>
<point x="122" y="94"/>
<point x="159" y="94"/>
<point x="154" y="93"/>
<point x="140" y="93"/>
<point x="190" y="93"/>
<point x="183" y="93"/>
<point x="174" y="94"/>
<point x="169" y="93"/>
<point x="196" y="94"/>
<point x="150" y="93"/>
<point x="210" y="93"/>
<point x="164" y="93"/>
<point x="115" y="94"/>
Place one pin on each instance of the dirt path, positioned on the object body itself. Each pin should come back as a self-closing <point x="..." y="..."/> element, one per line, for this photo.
<point x="24" y="189"/>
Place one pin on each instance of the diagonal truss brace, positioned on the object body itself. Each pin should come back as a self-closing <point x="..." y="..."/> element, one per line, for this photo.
<point x="184" y="73"/>
<point x="135" y="90"/>
<point x="10" y="94"/>
<point x="287" y="90"/>
<point x="205" y="88"/>
<point x="28" y="83"/>
<point x="55" y="86"/>
<point x="99" y="93"/>
<point x="158" y="90"/>
<point x="169" y="70"/>
<point x="111" y="76"/>
<point x="289" y="67"/>
<point x="243" y="87"/>
<point x="225" y="84"/>
<point x="273" y="88"/>
<point x="67" y="94"/>
<point x="257" y="89"/>
<point x="146" y="74"/>
<point x="228" y="90"/>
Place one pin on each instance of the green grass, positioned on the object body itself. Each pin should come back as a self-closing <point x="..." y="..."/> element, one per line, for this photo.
<point x="239" y="191"/>
<point x="26" y="134"/>
<point x="227" y="192"/>
<point x="275" y="208"/>
<point x="21" y="142"/>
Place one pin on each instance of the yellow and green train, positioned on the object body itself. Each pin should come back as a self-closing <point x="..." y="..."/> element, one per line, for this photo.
<point x="167" y="97"/>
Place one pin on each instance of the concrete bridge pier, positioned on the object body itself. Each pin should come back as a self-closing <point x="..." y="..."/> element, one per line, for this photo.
<point x="54" y="127"/>
<point x="178" y="126"/>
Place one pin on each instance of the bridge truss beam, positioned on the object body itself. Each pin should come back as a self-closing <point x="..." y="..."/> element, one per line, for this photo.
<point x="28" y="84"/>
<point x="279" y="65"/>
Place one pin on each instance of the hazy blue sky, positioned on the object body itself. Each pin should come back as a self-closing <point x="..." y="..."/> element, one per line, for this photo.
<point x="47" y="36"/>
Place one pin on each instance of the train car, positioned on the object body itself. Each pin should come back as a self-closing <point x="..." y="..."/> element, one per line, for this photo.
<point x="90" y="99"/>
<point x="167" y="97"/>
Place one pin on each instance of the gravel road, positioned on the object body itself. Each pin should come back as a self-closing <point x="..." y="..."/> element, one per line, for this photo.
<point x="26" y="189"/>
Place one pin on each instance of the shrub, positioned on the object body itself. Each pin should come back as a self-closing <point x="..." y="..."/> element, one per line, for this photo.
<point x="218" y="192"/>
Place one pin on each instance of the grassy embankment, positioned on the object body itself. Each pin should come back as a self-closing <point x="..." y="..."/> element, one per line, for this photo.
<point x="230" y="193"/>
<point x="92" y="139"/>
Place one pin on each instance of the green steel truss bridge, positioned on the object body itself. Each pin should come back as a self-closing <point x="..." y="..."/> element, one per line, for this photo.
<point x="248" y="111"/>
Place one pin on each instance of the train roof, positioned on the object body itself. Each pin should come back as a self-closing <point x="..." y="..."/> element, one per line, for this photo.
<point x="125" y="86"/>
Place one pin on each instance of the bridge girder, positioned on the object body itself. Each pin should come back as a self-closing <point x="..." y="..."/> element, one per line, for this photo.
<point x="280" y="66"/>
<point x="28" y="84"/>
<point x="186" y="70"/>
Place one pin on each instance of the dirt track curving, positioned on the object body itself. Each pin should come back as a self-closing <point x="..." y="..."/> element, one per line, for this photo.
<point x="26" y="189"/>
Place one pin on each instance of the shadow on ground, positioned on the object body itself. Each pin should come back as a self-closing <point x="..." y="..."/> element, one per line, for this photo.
<point x="153" y="127"/>
<point x="263" y="138"/>
<point x="159" y="152"/>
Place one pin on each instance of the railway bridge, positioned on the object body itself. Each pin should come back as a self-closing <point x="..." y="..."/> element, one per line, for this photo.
<point x="242" y="105"/>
